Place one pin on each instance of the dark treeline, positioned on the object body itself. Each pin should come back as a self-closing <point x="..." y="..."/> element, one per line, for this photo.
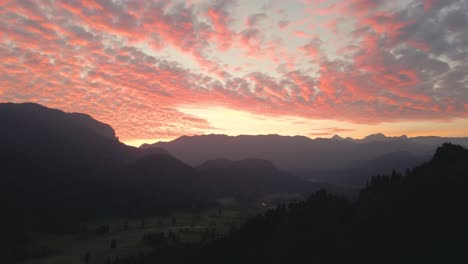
<point x="419" y="217"/>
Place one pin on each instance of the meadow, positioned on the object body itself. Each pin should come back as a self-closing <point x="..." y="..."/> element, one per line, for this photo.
<point x="104" y="240"/>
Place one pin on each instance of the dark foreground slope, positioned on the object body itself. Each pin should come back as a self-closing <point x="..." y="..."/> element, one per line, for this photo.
<point x="416" y="218"/>
<point x="60" y="167"/>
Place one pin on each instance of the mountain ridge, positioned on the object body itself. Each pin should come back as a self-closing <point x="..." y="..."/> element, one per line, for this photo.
<point x="336" y="137"/>
<point x="304" y="156"/>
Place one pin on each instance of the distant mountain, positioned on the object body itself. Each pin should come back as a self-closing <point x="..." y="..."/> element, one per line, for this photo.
<point x="361" y="173"/>
<point x="305" y="157"/>
<point x="428" y="140"/>
<point x="381" y="137"/>
<point x="250" y="178"/>
<point x="337" y="137"/>
<point x="287" y="153"/>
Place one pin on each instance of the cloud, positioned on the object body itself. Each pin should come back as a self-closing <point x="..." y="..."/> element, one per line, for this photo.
<point x="372" y="61"/>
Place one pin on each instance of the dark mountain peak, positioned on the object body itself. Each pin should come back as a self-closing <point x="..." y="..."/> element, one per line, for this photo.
<point x="101" y="129"/>
<point x="381" y="137"/>
<point x="450" y="152"/>
<point x="37" y="119"/>
<point x="375" y="137"/>
<point x="26" y="106"/>
<point x="337" y="137"/>
<point x="67" y="140"/>
<point x="340" y="138"/>
<point x="145" y="146"/>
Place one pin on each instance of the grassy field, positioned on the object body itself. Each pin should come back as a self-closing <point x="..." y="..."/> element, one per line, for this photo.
<point x="95" y="239"/>
<point x="128" y="235"/>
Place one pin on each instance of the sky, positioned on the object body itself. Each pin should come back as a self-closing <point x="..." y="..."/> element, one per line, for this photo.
<point x="156" y="70"/>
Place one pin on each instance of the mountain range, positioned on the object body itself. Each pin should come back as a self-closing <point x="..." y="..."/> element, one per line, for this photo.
<point x="58" y="165"/>
<point x="60" y="169"/>
<point x="416" y="217"/>
<point x="336" y="160"/>
<point x="68" y="164"/>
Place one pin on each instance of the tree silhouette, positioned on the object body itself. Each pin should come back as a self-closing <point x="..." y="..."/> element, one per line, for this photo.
<point x="87" y="257"/>
<point x="113" y="243"/>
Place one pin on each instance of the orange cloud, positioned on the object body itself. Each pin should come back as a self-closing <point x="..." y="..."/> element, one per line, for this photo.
<point x="108" y="59"/>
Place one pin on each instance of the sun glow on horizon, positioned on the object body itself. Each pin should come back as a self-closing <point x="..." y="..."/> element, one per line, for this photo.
<point x="233" y="122"/>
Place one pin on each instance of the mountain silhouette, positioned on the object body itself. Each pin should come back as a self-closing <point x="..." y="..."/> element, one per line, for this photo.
<point x="381" y="137"/>
<point x="249" y="178"/>
<point x="307" y="157"/>
<point x="360" y="174"/>
<point x="59" y="168"/>
<point x="71" y="140"/>
<point x="158" y="182"/>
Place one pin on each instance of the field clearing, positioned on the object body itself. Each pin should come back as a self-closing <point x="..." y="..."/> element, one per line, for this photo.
<point x="128" y="235"/>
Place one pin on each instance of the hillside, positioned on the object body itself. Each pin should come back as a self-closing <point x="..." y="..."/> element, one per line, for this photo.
<point x="67" y="167"/>
<point x="415" y="218"/>
<point x="249" y="178"/>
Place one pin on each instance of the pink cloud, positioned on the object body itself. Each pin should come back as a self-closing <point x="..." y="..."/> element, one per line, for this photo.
<point x="301" y="34"/>
<point x="85" y="58"/>
<point x="429" y="4"/>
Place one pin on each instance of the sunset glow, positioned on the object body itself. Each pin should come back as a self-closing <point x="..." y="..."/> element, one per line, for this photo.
<point x="156" y="70"/>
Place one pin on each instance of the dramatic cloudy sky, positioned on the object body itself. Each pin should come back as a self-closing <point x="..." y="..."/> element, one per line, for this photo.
<point x="159" y="69"/>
